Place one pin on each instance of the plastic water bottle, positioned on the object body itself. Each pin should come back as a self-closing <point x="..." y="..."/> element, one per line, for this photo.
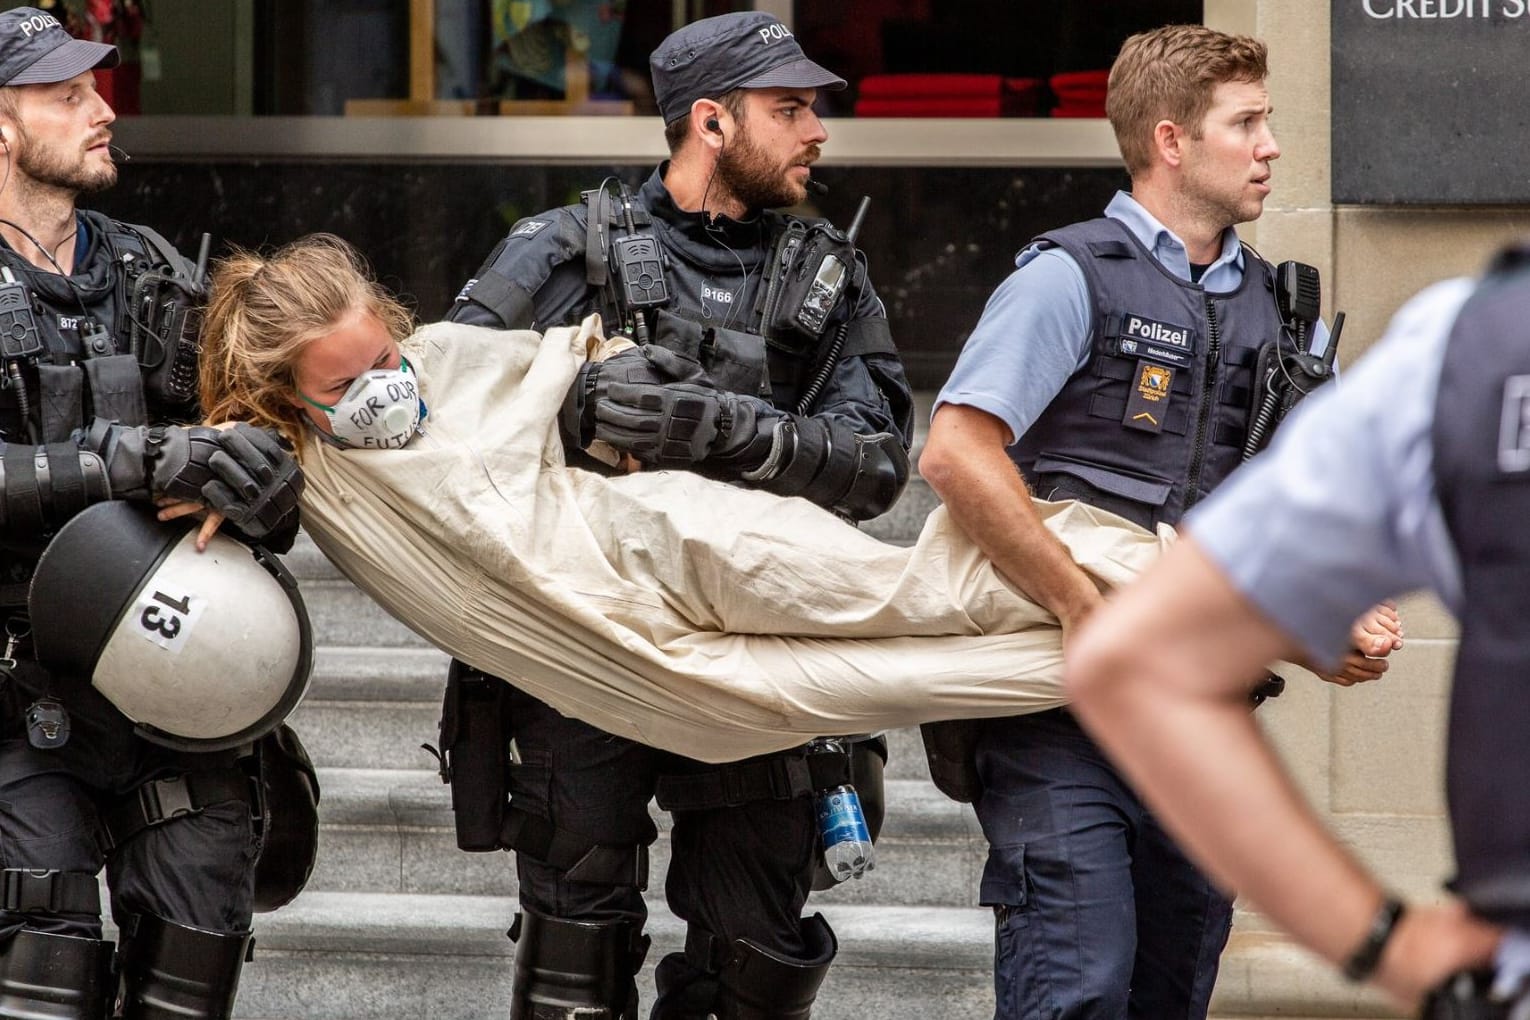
<point x="847" y="849"/>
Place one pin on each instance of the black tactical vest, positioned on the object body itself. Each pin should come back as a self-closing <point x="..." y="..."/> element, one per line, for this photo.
<point x="1157" y="417"/>
<point x="86" y="317"/>
<point x="1481" y="445"/>
<point x="87" y="366"/>
<point x="715" y="272"/>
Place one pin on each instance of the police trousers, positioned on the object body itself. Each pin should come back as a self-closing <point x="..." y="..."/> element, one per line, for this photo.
<point x="1098" y="914"/>
<point x="196" y="870"/>
<point x="742" y="871"/>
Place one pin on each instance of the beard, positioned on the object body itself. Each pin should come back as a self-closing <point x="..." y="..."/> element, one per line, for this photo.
<point x="753" y="177"/>
<point x="56" y="169"/>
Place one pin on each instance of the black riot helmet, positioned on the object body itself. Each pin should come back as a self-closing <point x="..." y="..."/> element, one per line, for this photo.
<point x="203" y="651"/>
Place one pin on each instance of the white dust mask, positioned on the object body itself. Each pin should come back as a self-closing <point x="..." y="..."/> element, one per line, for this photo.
<point x="380" y="411"/>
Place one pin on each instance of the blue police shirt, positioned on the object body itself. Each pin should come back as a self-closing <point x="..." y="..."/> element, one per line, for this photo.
<point x="1341" y="511"/>
<point x="1034" y="331"/>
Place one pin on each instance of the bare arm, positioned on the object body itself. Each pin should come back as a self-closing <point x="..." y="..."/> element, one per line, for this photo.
<point x="1373" y="638"/>
<point x="1161" y="679"/>
<point x="964" y="461"/>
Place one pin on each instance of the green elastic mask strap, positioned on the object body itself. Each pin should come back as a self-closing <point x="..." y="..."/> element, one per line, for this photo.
<point x="315" y="403"/>
<point x="402" y="361"/>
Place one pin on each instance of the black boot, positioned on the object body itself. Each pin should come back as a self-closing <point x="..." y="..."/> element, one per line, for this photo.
<point x="174" y="972"/>
<point x="54" y="977"/>
<point x="756" y="984"/>
<point x="566" y="969"/>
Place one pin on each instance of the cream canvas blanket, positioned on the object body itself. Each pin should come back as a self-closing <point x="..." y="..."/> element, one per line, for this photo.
<point x="684" y="613"/>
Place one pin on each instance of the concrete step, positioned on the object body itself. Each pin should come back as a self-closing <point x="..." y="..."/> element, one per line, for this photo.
<point x="391" y="831"/>
<point x="356" y="956"/>
<point x="332" y="955"/>
<point x="344" y="616"/>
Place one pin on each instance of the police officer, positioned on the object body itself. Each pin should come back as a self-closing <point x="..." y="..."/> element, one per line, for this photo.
<point x="1115" y="366"/>
<point x="1431" y="427"/>
<point x="747" y="373"/>
<point x="98" y="359"/>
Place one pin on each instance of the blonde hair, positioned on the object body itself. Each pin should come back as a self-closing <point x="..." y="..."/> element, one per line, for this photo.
<point x="262" y="314"/>
<point x="1170" y="74"/>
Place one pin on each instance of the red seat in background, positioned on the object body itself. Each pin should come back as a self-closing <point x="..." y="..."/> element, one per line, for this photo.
<point x="1079" y="93"/>
<point x="947" y="95"/>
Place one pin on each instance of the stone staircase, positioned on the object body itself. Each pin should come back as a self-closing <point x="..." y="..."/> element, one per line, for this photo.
<point x="398" y="923"/>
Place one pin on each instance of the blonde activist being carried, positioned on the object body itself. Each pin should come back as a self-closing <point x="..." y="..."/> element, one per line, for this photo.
<point x="689" y="614"/>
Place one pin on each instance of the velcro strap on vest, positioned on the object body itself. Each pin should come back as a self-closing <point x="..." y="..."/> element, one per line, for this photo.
<point x="50" y="892"/>
<point x="505" y="298"/>
<point x="1109" y="249"/>
<point x="596" y="272"/>
<point x="66" y="480"/>
<point x="782" y="777"/>
<point x="162" y="800"/>
<point x="23" y="501"/>
<point x="1228" y="435"/>
<point x="871" y="335"/>
<point x="579" y="857"/>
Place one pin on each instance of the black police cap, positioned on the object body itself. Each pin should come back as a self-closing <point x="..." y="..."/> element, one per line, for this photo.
<point x="749" y="50"/>
<point x="35" y="50"/>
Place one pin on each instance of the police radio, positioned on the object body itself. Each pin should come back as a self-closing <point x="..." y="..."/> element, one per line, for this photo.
<point x="19" y="338"/>
<point x="829" y="280"/>
<point x="1286" y="372"/>
<point x="638" y="262"/>
<point x="806" y="277"/>
<point x="1299" y="296"/>
<point x="165" y="326"/>
<point x="631" y="265"/>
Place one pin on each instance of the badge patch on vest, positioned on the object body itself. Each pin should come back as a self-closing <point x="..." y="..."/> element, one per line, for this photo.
<point x="531" y="228"/>
<point x="1149" y="402"/>
<point x="1141" y="337"/>
<point x="1514" y="426"/>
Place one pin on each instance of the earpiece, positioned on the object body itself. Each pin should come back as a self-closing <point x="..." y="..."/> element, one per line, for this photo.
<point x="713" y="126"/>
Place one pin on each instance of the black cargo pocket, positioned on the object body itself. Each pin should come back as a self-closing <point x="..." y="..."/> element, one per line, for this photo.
<point x="1137" y="497"/>
<point x="1004" y="886"/>
<point x="1024" y="968"/>
<point x="531" y="784"/>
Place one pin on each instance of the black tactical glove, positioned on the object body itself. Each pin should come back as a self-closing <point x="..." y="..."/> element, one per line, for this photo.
<point x="676" y="425"/>
<point x="242" y="472"/>
<point x="649" y="364"/>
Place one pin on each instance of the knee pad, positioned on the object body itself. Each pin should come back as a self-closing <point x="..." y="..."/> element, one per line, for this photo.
<point x="32" y="891"/>
<point x="54" y="977"/>
<point x="757" y="984"/>
<point x="171" y="971"/>
<point x="582" y="969"/>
